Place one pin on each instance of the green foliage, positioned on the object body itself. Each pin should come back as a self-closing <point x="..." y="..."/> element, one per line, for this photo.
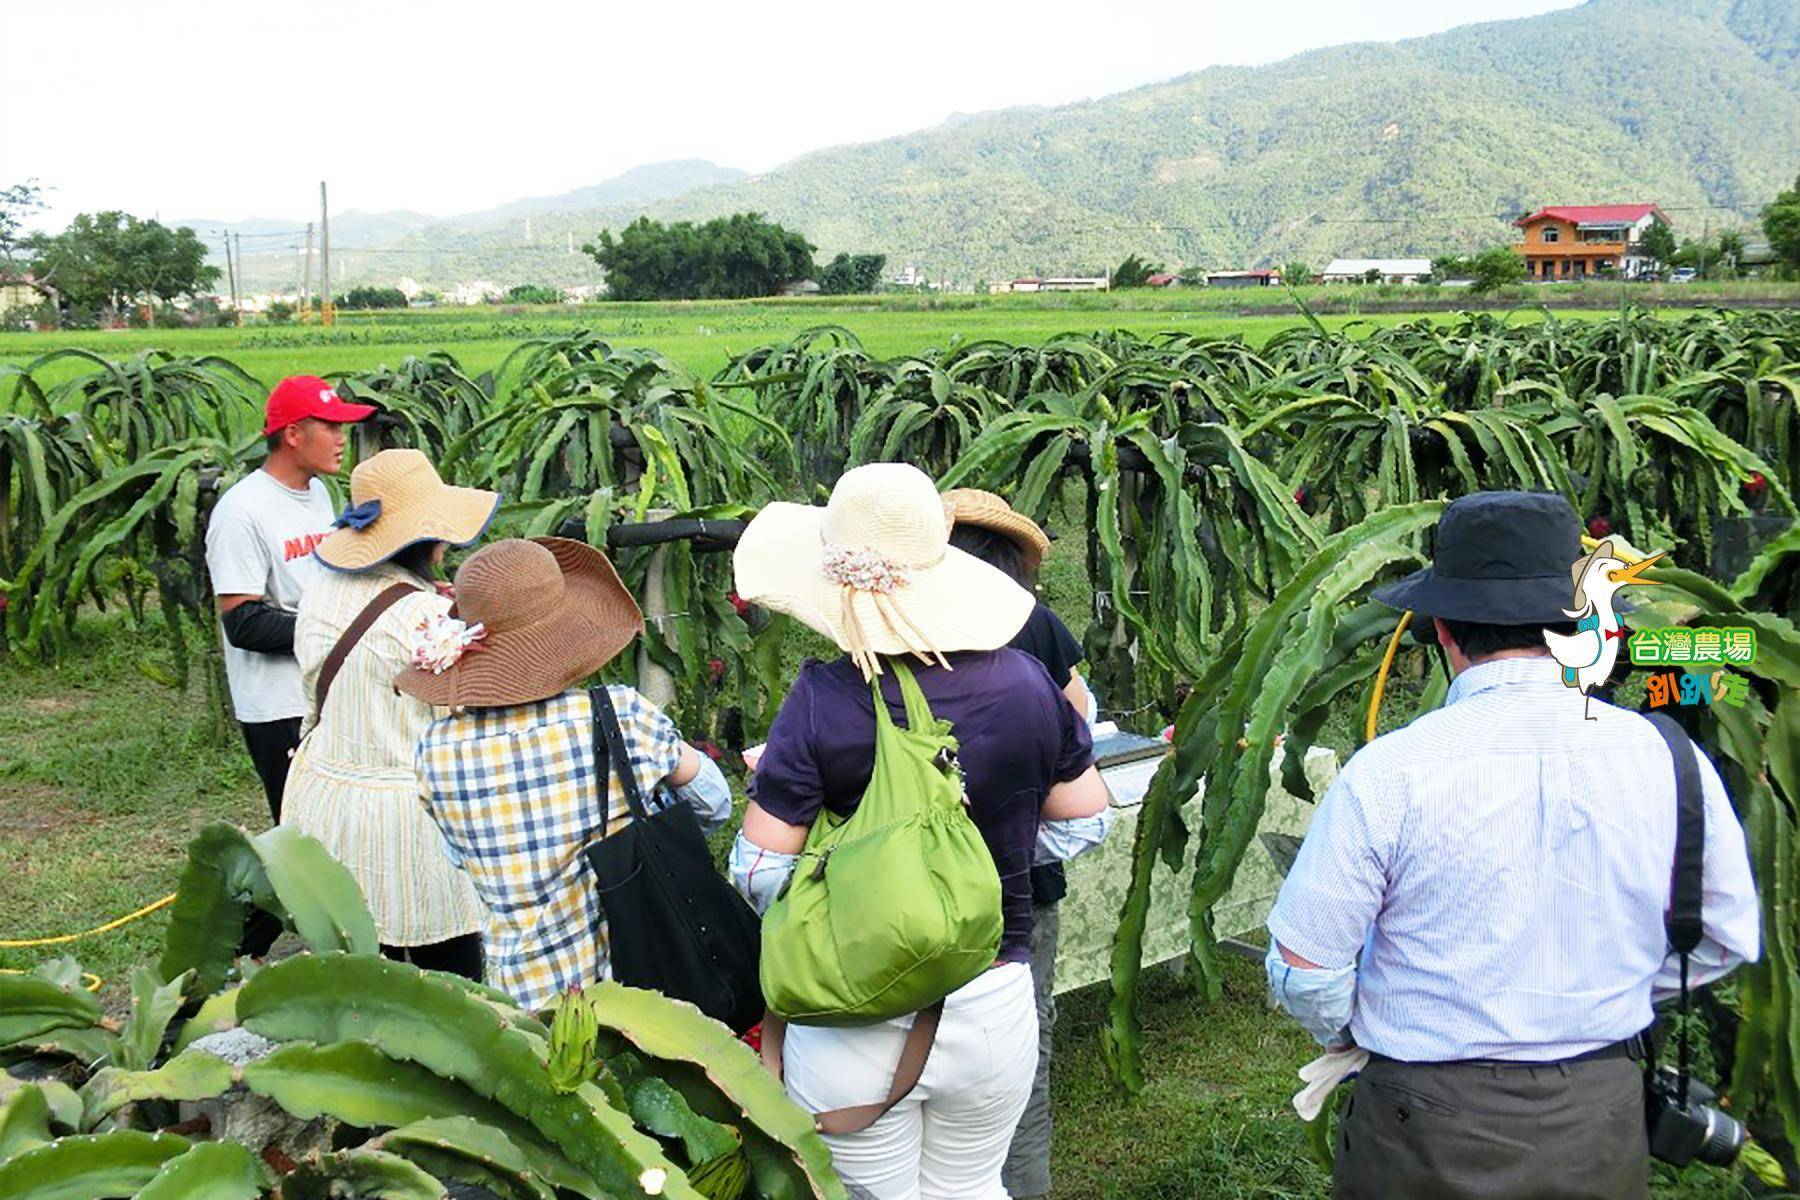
<point x="1297" y="273"/>
<point x="1658" y="242"/>
<point x="1781" y="225"/>
<point x="104" y="260"/>
<point x="736" y="256"/>
<point x="1495" y="268"/>
<point x="371" y="297"/>
<point x="280" y="871"/>
<point x="851" y="274"/>
<point x="1134" y="272"/>
<point x="533" y="293"/>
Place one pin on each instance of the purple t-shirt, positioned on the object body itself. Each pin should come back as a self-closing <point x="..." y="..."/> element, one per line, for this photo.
<point x="1018" y="736"/>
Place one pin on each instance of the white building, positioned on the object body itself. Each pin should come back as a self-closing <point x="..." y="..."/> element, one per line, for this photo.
<point x="476" y="292"/>
<point x="1393" y="270"/>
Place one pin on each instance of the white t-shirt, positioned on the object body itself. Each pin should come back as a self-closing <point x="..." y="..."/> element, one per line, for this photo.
<point x="260" y="543"/>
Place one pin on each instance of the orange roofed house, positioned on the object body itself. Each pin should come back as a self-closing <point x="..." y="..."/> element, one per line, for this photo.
<point x="1579" y="241"/>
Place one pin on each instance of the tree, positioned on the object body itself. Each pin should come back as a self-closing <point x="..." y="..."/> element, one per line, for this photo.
<point x="1296" y="273"/>
<point x="1134" y="272"/>
<point x="105" y="259"/>
<point x="372" y="297"/>
<point x="1781" y="225"/>
<point x="1372" y="275"/>
<point x="1658" y="243"/>
<point x="1451" y="266"/>
<point x="851" y="274"/>
<point x="533" y="293"/>
<point x="1496" y="267"/>
<point x="16" y="203"/>
<point x="743" y="255"/>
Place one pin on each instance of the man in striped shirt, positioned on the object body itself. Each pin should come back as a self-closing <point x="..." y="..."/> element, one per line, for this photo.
<point x="1479" y="902"/>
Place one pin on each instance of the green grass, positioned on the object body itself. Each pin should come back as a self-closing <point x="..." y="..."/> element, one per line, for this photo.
<point x="104" y="776"/>
<point x="703" y="336"/>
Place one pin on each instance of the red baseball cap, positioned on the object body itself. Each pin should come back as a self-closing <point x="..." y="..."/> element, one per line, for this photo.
<point x="301" y="396"/>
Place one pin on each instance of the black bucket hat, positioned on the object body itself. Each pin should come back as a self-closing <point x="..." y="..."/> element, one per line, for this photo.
<point x="1501" y="558"/>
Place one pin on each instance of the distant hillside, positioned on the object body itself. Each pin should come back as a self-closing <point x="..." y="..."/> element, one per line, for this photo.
<point x="640" y="185"/>
<point x="1417" y="147"/>
<point x="271" y="261"/>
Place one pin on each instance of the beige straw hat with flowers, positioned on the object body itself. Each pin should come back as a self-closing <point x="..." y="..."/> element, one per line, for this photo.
<point x="874" y="571"/>
<point x="972" y="506"/>
<point x="532" y="619"/>
<point x="397" y="500"/>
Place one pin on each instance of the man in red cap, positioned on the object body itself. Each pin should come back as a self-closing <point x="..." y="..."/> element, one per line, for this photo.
<point x="259" y="545"/>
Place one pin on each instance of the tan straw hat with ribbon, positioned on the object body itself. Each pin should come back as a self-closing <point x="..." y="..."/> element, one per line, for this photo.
<point x="532" y="619"/>
<point x="874" y="571"/>
<point x="396" y="500"/>
<point x="972" y="506"/>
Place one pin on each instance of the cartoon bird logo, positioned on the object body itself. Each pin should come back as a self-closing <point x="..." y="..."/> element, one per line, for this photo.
<point x="1587" y="656"/>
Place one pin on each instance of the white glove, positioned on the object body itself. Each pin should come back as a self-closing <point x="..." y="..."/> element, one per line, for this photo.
<point x="1323" y="1074"/>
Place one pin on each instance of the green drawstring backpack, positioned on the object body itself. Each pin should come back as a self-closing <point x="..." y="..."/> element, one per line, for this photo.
<point x="894" y="907"/>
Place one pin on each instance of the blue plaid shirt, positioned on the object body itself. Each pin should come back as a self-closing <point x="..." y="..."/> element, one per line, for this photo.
<point x="513" y="792"/>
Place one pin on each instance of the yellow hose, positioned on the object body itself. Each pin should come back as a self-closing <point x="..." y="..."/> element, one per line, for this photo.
<point x="1387" y="664"/>
<point x="90" y="981"/>
<point x="128" y="918"/>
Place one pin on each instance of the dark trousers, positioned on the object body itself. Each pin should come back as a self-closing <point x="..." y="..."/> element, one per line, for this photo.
<point x="460" y="955"/>
<point x="1027" y="1169"/>
<point x="271" y="745"/>
<point x="1464" y="1131"/>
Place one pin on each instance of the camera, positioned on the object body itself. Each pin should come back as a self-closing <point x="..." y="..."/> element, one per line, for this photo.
<point x="1697" y="1131"/>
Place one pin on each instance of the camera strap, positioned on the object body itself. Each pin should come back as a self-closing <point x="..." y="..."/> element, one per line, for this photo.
<point x="1683" y="919"/>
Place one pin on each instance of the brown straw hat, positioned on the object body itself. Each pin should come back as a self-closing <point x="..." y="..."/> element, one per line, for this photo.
<point x="972" y="506"/>
<point x="397" y="500"/>
<point x="552" y="611"/>
<point x="874" y="571"/>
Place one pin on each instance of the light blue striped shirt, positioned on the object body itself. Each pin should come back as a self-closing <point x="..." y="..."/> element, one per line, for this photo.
<point x="1503" y="866"/>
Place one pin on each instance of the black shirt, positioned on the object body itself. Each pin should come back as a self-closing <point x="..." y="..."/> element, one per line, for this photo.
<point x="1048" y="640"/>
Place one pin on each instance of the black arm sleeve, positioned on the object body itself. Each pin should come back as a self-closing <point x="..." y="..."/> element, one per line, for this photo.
<point x="260" y="626"/>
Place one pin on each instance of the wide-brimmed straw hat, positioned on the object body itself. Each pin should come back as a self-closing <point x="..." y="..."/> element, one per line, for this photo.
<point x="874" y="571"/>
<point x="550" y="613"/>
<point x="1501" y="558"/>
<point x="972" y="506"/>
<point x="397" y="500"/>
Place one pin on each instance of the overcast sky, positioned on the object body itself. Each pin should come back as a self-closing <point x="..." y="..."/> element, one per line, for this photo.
<point x="230" y="110"/>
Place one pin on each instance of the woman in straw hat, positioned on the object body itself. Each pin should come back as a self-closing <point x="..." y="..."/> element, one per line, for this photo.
<point x="987" y="527"/>
<point x="351" y="783"/>
<point x="509" y="775"/>
<point x="874" y="572"/>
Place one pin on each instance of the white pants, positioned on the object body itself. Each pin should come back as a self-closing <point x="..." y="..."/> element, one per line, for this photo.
<point x="948" y="1139"/>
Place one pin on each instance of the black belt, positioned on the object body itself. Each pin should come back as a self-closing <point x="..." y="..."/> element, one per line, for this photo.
<point x="1632" y="1048"/>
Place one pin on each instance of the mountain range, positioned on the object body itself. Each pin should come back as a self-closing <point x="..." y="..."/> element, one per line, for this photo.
<point x="1418" y="147"/>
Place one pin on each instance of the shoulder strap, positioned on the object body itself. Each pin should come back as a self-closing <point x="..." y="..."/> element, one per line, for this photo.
<point x="918" y="712"/>
<point x="607" y="732"/>
<point x="1690" y="837"/>
<point x="914" y="1053"/>
<point x="365" y="620"/>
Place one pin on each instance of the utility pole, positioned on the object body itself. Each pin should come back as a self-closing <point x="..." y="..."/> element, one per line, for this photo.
<point x="230" y="269"/>
<point x="325" y="314"/>
<point x="237" y="240"/>
<point x="306" y="277"/>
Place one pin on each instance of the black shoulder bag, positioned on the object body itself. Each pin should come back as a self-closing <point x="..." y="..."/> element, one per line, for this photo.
<point x="674" y="924"/>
